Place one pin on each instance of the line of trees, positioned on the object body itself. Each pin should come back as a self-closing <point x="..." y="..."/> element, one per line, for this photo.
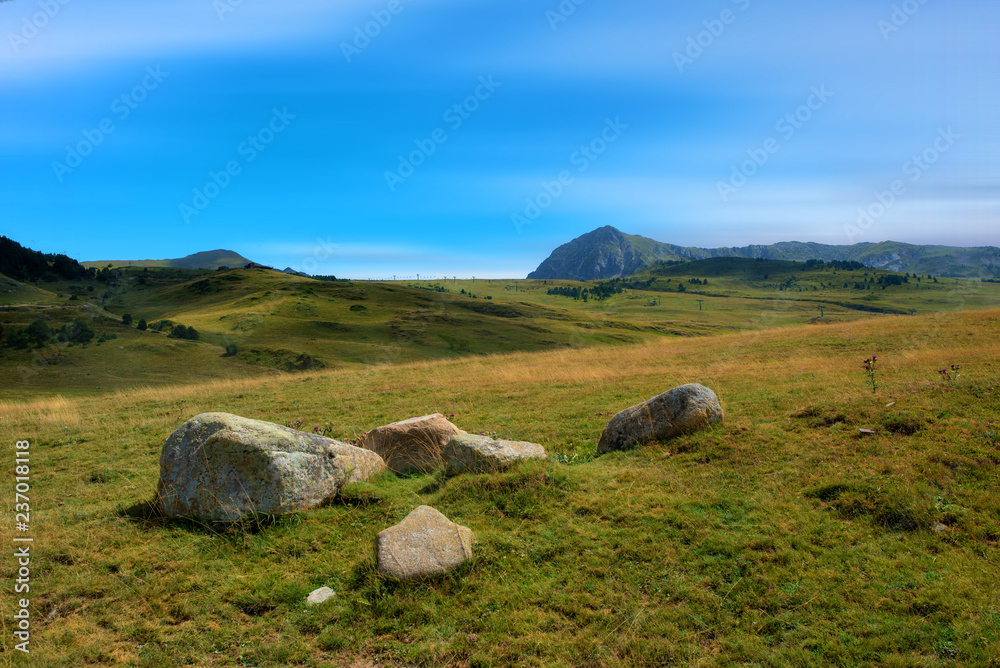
<point x="24" y="264"/>
<point x="600" y="292"/>
<point x="38" y="334"/>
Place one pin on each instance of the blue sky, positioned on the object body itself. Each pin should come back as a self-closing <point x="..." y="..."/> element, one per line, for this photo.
<point x="472" y="138"/>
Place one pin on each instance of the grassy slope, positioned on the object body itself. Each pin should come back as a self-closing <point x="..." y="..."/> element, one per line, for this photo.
<point x="275" y="319"/>
<point x="780" y="538"/>
<point x="205" y="259"/>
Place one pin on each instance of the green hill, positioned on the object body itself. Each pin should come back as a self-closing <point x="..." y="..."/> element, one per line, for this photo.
<point x="261" y="322"/>
<point x="204" y="260"/>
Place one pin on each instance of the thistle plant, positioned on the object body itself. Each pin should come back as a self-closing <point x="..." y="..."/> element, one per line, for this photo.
<point x="951" y="374"/>
<point x="871" y="369"/>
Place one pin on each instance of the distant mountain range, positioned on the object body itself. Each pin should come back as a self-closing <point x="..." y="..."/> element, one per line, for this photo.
<point x="205" y="260"/>
<point x="610" y="253"/>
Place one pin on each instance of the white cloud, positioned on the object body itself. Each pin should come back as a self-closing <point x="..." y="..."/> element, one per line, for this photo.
<point x="81" y="32"/>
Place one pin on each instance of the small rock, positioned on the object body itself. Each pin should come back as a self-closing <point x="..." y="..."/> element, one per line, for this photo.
<point x="412" y="445"/>
<point x="317" y="596"/>
<point x="424" y="543"/>
<point x="683" y="409"/>
<point x="940" y="528"/>
<point x="469" y="453"/>
<point x="866" y="432"/>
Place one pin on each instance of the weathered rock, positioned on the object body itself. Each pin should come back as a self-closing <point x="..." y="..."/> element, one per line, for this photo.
<point x="680" y="410"/>
<point x="424" y="543"/>
<point x="317" y="596"/>
<point x="470" y="453"/>
<point x="414" y="444"/>
<point x="221" y="467"/>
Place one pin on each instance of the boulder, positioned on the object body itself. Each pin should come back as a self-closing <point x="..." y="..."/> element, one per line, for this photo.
<point x="469" y="453"/>
<point x="222" y="468"/>
<point x="425" y="543"/>
<point x="412" y="445"/>
<point x="680" y="410"/>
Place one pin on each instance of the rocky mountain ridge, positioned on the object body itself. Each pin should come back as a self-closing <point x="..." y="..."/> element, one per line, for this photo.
<point x="610" y="253"/>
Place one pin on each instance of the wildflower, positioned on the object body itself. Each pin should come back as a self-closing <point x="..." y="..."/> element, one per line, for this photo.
<point x="870" y="370"/>
<point x="951" y="375"/>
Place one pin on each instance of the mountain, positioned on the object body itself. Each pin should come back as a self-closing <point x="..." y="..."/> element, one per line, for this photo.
<point x="205" y="260"/>
<point x="609" y="253"/>
<point x="603" y="253"/>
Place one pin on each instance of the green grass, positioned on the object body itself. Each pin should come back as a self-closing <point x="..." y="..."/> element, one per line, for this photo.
<point x="281" y="323"/>
<point x="780" y="538"/>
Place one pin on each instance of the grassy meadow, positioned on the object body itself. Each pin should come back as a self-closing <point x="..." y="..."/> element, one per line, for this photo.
<point x="279" y="322"/>
<point x="780" y="538"/>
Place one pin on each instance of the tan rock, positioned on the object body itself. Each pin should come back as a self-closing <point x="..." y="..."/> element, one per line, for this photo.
<point x="425" y="543"/>
<point x="412" y="445"/>
<point x="470" y="453"/>
<point x="680" y="410"/>
<point x="223" y="467"/>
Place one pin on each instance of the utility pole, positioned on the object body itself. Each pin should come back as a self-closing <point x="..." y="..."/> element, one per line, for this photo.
<point x="700" y="302"/>
<point x="821" y="312"/>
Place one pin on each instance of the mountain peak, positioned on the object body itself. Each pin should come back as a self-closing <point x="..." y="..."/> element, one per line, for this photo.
<point x="606" y="252"/>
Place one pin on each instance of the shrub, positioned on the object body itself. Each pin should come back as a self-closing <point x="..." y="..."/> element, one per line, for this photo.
<point x="127" y="319"/>
<point x="230" y="350"/>
<point x="142" y="325"/>
<point x="18" y="338"/>
<point x="76" y="332"/>
<point x="39" y="331"/>
<point x="182" y="332"/>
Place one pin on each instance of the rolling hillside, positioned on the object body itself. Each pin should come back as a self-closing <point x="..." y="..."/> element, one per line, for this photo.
<point x="204" y="260"/>
<point x="260" y="322"/>
<point x="782" y="537"/>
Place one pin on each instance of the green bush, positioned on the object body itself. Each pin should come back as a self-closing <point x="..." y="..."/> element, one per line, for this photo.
<point x="182" y="332"/>
<point x="39" y="332"/>
<point x="76" y="331"/>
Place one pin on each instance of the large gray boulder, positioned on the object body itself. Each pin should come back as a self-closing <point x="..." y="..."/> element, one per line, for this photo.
<point x="221" y="467"/>
<point x="425" y="543"/>
<point x="412" y="445"/>
<point x="470" y="453"/>
<point x="678" y="411"/>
